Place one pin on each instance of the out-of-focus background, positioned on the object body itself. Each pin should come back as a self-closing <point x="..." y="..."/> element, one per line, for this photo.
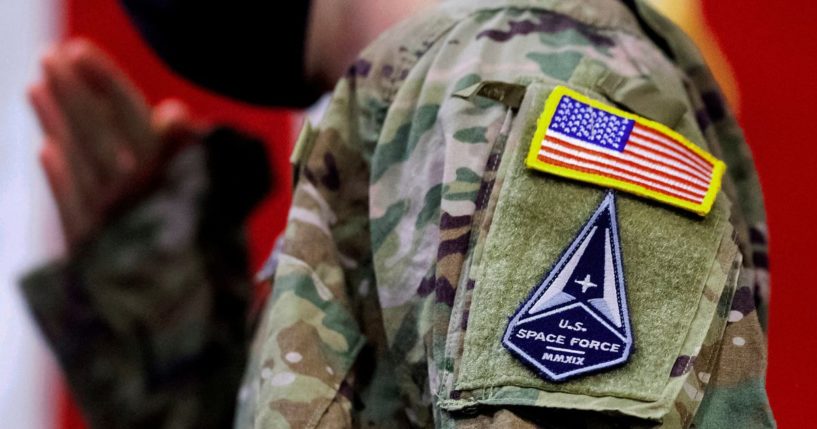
<point x="765" y="56"/>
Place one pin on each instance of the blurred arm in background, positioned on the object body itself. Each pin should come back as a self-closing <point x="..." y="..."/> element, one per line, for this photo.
<point x="147" y="316"/>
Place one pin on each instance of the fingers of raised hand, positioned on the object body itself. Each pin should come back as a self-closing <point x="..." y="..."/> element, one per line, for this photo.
<point x="108" y="136"/>
<point x="175" y="127"/>
<point x="61" y="132"/>
<point x="99" y="138"/>
<point x="76" y="220"/>
<point x="128" y="110"/>
<point x="92" y="137"/>
<point x="48" y="112"/>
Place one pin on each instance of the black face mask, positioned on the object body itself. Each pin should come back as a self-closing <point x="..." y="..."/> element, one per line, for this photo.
<point x="250" y="50"/>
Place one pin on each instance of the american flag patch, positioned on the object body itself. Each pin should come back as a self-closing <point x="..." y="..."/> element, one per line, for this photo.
<point x="583" y="139"/>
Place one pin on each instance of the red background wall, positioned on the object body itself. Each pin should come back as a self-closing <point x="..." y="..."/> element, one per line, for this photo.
<point x="774" y="55"/>
<point x="773" y="51"/>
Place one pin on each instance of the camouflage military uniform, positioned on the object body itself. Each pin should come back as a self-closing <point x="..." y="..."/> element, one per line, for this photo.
<point x="412" y="210"/>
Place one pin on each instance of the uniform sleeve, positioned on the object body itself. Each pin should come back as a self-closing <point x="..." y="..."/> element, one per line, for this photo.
<point x="310" y="334"/>
<point x="736" y="393"/>
<point x="149" y="321"/>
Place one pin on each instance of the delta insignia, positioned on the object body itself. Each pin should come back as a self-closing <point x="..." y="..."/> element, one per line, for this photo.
<point x="582" y="139"/>
<point x="576" y="321"/>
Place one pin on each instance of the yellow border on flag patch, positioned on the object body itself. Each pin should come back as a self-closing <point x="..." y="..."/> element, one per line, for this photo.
<point x="533" y="162"/>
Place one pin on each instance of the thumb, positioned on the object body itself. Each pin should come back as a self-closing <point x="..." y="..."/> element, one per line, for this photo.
<point x="175" y="126"/>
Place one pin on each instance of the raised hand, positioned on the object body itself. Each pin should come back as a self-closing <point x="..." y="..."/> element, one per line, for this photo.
<point x="103" y="145"/>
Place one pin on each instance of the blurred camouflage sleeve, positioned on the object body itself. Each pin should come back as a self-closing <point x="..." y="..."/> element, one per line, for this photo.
<point x="149" y="320"/>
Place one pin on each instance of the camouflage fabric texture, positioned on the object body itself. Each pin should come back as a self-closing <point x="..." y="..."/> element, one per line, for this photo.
<point x="382" y="311"/>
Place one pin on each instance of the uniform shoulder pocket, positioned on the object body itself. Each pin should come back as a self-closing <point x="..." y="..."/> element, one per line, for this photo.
<point x="676" y="271"/>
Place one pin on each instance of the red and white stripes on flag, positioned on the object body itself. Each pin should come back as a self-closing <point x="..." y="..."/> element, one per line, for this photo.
<point x="583" y="139"/>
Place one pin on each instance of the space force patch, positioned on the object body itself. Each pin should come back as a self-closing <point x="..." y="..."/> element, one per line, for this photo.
<point x="577" y="320"/>
<point x="583" y="139"/>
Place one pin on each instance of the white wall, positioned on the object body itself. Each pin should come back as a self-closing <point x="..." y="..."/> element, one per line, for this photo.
<point x="28" y="230"/>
